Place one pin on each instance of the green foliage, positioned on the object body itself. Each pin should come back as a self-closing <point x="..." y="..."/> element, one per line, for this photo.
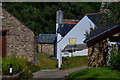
<point x="41" y="16"/>
<point x="72" y="62"/>
<point x="114" y="16"/>
<point x="26" y="74"/>
<point x="86" y="34"/>
<point x="18" y="64"/>
<point x="89" y="31"/>
<point x="115" y="59"/>
<point x="30" y="69"/>
<point x="114" y="12"/>
<point x="33" y="68"/>
<point x="0" y="65"/>
<point x="94" y="73"/>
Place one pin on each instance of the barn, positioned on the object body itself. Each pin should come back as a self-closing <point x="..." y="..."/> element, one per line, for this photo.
<point x="15" y="38"/>
<point x="47" y="44"/>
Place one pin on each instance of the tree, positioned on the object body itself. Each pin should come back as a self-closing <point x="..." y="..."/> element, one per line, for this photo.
<point x="114" y="16"/>
<point x="114" y="12"/>
<point x="41" y="16"/>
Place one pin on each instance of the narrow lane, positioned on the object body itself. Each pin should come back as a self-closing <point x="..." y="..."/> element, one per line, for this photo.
<point x="54" y="74"/>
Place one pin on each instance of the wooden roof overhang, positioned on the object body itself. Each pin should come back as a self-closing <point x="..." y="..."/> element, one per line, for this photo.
<point x="78" y="47"/>
<point x="102" y="36"/>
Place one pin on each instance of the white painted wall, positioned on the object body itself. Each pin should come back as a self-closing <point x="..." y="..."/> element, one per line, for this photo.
<point x="77" y="53"/>
<point x="77" y="32"/>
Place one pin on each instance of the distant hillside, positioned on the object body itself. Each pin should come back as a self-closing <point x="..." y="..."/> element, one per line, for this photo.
<point x="41" y="16"/>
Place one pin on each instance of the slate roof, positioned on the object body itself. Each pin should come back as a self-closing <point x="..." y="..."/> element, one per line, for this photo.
<point x="96" y="18"/>
<point x="47" y="38"/>
<point x="68" y="25"/>
<point x="101" y="30"/>
<point x="66" y="28"/>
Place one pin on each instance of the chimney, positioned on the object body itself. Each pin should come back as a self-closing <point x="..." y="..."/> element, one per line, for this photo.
<point x="59" y="20"/>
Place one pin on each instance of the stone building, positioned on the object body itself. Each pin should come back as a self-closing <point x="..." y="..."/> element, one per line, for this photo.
<point x="47" y="44"/>
<point x="17" y="39"/>
<point x="97" y="42"/>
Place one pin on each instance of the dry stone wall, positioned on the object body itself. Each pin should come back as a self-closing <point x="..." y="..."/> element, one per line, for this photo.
<point x="97" y="54"/>
<point x="19" y="39"/>
<point x="47" y="49"/>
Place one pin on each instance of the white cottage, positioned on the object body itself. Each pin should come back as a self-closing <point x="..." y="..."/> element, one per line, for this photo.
<point x="72" y="40"/>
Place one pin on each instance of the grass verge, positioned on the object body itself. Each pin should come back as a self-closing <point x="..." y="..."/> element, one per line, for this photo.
<point x="94" y="73"/>
<point x="18" y="65"/>
<point x="72" y="62"/>
<point x="45" y="63"/>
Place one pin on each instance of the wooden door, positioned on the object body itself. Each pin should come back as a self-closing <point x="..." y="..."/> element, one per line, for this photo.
<point x="2" y="44"/>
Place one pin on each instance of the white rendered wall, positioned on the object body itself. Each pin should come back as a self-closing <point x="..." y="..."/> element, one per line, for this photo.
<point x="77" y="53"/>
<point x="77" y="32"/>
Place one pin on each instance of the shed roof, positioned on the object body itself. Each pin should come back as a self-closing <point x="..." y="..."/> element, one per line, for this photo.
<point x="96" y="18"/>
<point x="102" y="32"/>
<point x="78" y="47"/>
<point x="47" y="38"/>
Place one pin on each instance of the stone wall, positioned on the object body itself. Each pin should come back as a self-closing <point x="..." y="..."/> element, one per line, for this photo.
<point x="19" y="39"/>
<point x="97" y="54"/>
<point x="0" y="16"/>
<point x="47" y="49"/>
